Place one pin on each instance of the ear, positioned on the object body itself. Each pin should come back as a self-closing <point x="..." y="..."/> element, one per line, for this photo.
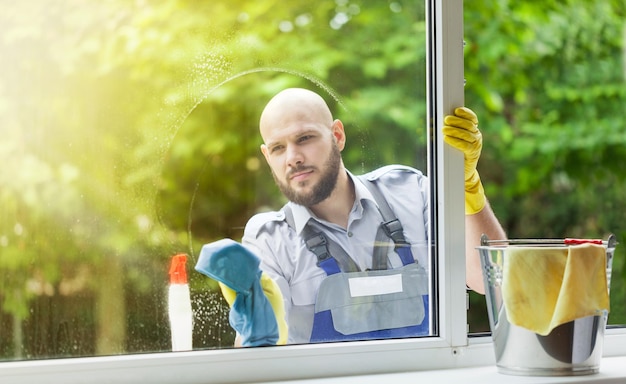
<point x="339" y="134"/>
<point x="265" y="152"/>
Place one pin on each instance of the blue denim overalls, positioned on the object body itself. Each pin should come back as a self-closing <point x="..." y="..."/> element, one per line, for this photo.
<point x="374" y="304"/>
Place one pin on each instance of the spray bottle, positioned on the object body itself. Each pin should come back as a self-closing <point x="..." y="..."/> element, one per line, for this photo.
<point x="179" y="305"/>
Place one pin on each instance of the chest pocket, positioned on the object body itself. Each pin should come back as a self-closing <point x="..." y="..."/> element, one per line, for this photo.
<point x="374" y="300"/>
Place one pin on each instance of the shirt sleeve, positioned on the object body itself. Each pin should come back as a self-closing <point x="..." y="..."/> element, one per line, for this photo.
<point x="262" y="236"/>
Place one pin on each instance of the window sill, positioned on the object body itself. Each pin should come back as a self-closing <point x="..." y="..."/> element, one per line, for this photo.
<point x="397" y="361"/>
<point x="611" y="371"/>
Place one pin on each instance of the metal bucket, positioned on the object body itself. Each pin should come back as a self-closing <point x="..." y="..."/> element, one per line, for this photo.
<point x="573" y="348"/>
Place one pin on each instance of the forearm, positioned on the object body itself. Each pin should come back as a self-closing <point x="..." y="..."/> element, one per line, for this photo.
<point x="483" y="222"/>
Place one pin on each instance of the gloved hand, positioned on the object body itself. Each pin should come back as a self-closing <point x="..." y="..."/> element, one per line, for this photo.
<point x="461" y="132"/>
<point x="274" y="296"/>
<point x="256" y="304"/>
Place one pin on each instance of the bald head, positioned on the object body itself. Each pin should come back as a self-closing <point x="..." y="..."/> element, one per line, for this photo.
<point x="302" y="145"/>
<point x="294" y="104"/>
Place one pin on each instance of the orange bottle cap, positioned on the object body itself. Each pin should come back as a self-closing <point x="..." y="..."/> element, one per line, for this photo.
<point x="178" y="273"/>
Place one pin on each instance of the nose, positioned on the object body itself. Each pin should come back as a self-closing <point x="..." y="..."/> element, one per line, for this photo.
<point x="294" y="156"/>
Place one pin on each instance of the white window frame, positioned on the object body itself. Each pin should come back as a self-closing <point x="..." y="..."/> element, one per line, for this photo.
<point x="450" y="349"/>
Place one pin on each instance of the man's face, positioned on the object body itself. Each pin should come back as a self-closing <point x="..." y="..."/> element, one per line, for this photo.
<point x="305" y="160"/>
<point x="318" y="191"/>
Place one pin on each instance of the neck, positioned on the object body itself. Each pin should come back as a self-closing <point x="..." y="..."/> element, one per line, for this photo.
<point x="336" y="208"/>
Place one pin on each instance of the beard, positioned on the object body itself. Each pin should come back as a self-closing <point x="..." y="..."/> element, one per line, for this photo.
<point x="322" y="189"/>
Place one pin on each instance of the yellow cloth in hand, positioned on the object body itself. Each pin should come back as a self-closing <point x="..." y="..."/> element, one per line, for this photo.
<point x="274" y="296"/>
<point x="543" y="288"/>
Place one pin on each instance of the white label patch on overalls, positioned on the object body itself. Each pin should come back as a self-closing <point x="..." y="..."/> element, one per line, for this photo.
<point x="375" y="285"/>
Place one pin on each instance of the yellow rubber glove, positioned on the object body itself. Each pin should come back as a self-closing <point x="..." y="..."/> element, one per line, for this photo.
<point x="461" y="132"/>
<point x="274" y="296"/>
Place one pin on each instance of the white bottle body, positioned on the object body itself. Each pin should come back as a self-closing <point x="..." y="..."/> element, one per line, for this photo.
<point x="181" y="317"/>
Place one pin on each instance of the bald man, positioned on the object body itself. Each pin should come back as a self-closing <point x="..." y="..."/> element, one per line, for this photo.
<point x="302" y="144"/>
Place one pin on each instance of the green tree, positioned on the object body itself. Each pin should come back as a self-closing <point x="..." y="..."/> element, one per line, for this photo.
<point x="547" y="81"/>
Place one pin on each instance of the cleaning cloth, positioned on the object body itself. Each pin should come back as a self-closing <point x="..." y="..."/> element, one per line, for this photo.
<point x="543" y="288"/>
<point x="251" y="313"/>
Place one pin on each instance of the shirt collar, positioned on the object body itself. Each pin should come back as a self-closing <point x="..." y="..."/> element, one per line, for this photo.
<point x="302" y="214"/>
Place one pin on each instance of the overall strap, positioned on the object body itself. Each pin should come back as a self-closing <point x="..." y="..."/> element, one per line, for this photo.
<point x="391" y="224"/>
<point x="330" y="256"/>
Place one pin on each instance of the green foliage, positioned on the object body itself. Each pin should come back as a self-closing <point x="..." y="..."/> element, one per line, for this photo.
<point x="547" y="80"/>
<point x="130" y="134"/>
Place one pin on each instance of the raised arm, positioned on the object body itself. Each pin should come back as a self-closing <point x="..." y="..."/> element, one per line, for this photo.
<point x="461" y="131"/>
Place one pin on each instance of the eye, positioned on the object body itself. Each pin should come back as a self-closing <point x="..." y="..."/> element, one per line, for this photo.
<point x="276" y="148"/>
<point x="304" y="138"/>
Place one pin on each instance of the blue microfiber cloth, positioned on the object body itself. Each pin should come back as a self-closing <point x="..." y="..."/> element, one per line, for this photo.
<point x="251" y="314"/>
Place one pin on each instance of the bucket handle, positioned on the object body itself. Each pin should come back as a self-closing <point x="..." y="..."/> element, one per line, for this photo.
<point x="611" y="242"/>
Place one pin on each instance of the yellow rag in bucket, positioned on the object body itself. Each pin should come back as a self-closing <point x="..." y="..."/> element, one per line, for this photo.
<point x="543" y="288"/>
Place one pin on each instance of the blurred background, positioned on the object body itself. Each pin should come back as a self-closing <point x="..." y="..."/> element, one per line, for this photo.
<point x="129" y="133"/>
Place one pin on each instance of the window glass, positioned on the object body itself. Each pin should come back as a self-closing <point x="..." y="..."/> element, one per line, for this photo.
<point x="130" y="134"/>
<point x="547" y="80"/>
